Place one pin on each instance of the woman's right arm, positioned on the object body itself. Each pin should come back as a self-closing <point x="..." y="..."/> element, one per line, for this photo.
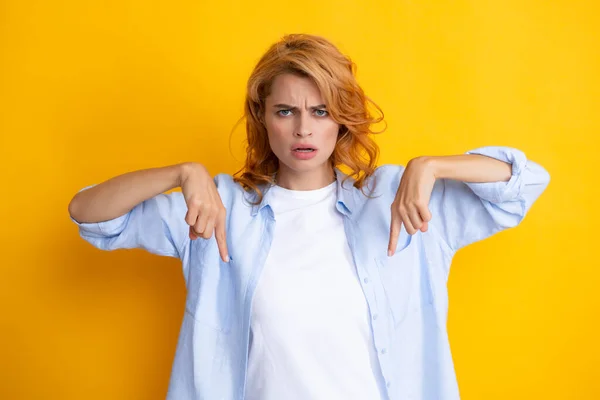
<point x="130" y="210"/>
<point x="119" y="195"/>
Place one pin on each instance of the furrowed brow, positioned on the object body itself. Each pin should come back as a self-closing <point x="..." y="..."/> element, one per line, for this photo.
<point x="289" y="107"/>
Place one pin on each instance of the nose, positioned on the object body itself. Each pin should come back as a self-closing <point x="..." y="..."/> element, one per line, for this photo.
<point x="302" y="133"/>
<point x="303" y="127"/>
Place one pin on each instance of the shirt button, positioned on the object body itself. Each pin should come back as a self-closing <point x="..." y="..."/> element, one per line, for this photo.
<point x="366" y="280"/>
<point x="375" y="316"/>
<point x="388" y="384"/>
<point x="383" y="351"/>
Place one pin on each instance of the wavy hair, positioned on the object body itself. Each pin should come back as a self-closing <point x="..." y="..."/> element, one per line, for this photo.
<point x="334" y="74"/>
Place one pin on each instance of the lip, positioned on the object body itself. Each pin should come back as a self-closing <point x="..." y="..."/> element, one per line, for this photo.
<point x="304" y="155"/>
<point x="304" y="146"/>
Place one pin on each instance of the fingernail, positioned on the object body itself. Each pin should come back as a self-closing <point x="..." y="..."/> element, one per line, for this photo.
<point x="227" y="258"/>
<point x="389" y="252"/>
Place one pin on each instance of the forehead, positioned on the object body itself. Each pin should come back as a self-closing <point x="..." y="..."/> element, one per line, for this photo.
<point x="291" y="88"/>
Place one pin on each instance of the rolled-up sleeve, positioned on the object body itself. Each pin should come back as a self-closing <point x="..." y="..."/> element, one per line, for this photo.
<point x="156" y="225"/>
<point x="464" y="213"/>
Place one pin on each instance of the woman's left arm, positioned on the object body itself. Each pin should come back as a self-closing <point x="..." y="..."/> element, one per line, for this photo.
<point x="466" y="197"/>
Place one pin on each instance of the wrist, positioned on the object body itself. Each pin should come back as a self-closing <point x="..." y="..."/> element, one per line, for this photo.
<point x="186" y="169"/>
<point x="436" y="165"/>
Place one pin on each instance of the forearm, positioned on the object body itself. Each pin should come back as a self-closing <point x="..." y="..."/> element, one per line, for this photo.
<point x="118" y="195"/>
<point x="473" y="168"/>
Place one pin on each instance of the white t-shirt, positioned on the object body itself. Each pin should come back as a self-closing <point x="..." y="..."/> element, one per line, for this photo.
<point x="310" y="331"/>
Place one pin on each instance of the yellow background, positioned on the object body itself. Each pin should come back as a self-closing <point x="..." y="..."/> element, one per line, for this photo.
<point x="91" y="89"/>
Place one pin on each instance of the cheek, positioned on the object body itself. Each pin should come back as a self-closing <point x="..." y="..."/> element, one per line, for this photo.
<point x="276" y="131"/>
<point x="332" y="133"/>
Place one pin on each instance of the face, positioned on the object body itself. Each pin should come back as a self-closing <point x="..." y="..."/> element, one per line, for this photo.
<point x="301" y="132"/>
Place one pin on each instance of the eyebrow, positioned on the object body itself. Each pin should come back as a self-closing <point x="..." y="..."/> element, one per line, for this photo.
<point x="288" y="107"/>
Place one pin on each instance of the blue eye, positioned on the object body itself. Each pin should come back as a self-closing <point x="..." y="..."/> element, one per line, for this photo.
<point x="281" y="112"/>
<point x="321" y="113"/>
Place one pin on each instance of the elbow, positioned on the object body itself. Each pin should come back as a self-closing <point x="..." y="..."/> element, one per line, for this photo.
<point x="74" y="208"/>
<point x="539" y="181"/>
<point x="545" y="178"/>
<point x="77" y="206"/>
<point x="538" y="174"/>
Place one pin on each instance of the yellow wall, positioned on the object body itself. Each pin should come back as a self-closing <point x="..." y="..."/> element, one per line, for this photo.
<point x="93" y="89"/>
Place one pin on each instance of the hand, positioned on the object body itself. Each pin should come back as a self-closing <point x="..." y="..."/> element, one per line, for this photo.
<point x="206" y="212"/>
<point x="411" y="205"/>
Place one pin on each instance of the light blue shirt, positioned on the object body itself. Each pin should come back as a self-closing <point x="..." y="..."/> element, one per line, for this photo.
<point x="406" y="293"/>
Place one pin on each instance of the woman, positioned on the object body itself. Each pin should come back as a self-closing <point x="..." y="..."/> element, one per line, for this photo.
<point x="305" y="282"/>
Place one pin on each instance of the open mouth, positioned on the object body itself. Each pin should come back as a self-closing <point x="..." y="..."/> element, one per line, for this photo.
<point x="304" y="150"/>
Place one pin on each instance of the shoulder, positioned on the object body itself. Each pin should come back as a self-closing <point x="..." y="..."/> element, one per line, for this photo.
<point x="389" y="170"/>
<point x="378" y="190"/>
<point x="226" y="185"/>
<point x="224" y="181"/>
<point x="386" y="178"/>
<point x="230" y="191"/>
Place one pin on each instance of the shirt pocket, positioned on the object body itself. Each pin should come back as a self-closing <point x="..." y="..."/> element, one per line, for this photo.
<point x="209" y="297"/>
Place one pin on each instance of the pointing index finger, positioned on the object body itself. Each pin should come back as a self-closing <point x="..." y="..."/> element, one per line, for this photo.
<point x="395" y="227"/>
<point x="221" y="237"/>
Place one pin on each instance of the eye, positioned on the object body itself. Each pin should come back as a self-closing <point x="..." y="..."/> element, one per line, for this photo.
<point x="284" y="113"/>
<point x="321" y="113"/>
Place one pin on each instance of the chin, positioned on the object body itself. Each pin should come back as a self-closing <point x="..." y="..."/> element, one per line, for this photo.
<point x="304" y="165"/>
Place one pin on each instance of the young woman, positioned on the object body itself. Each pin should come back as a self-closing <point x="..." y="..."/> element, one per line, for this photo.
<point x="305" y="282"/>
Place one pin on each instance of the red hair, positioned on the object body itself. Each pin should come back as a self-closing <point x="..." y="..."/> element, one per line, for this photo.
<point x="334" y="74"/>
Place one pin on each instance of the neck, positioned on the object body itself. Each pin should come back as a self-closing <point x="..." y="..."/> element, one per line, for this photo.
<point x="309" y="180"/>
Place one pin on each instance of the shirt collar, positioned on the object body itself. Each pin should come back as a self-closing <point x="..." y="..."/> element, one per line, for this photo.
<point x="346" y="193"/>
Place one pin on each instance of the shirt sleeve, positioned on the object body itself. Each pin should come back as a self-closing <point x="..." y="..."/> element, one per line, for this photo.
<point x="156" y="225"/>
<point x="464" y="213"/>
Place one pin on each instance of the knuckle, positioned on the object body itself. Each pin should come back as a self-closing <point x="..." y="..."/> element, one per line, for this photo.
<point x="195" y="202"/>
